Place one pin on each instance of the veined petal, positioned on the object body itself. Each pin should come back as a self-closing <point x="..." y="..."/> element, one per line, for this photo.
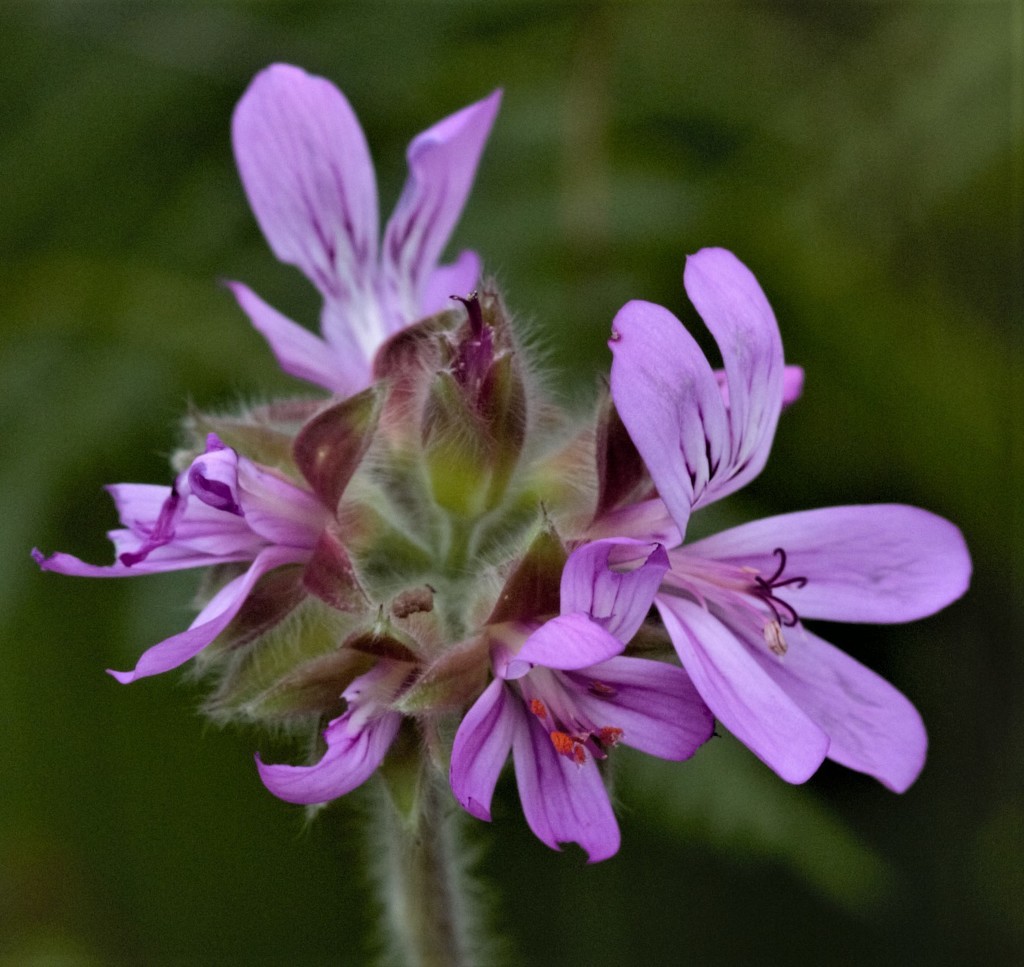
<point x="655" y="704"/>
<point x="442" y="165"/>
<point x="354" y="751"/>
<point x="306" y="168"/>
<point x="747" y="701"/>
<point x="299" y="352"/>
<point x="872" y="727"/>
<point x="568" y="641"/>
<point x="668" y="398"/>
<point x="618" y="601"/>
<point x="875" y="563"/>
<point x="733" y="307"/>
<point x="458" y="278"/>
<point x="563" y="802"/>
<point x="212" y="620"/>
<point x="482" y="745"/>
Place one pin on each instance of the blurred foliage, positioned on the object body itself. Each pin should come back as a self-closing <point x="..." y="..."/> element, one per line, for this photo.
<point x="865" y="159"/>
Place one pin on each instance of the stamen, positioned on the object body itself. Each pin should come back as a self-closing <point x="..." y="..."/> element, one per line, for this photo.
<point x="568" y="746"/>
<point x="600" y="688"/>
<point x="609" y="735"/>
<point x="774" y="639"/>
<point x="538" y="708"/>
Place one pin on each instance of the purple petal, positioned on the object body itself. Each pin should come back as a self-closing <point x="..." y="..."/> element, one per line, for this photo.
<point x="459" y="278"/>
<point x="278" y="510"/>
<point x="871" y="726"/>
<point x="442" y="165"/>
<point x="213" y="478"/>
<point x="669" y="401"/>
<point x="792" y="384"/>
<point x="649" y="521"/>
<point x="618" y="601"/>
<point x="563" y="802"/>
<point x="568" y="641"/>
<point x="299" y="352"/>
<point x="875" y="563"/>
<point x="354" y="751"/>
<point x="307" y="172"/>
<point x="734" y="308"/>
<point x="746" y="700"/>
<point x="211" y="621"/>
<point x="655" y="704"/>
<point x="482" y="745"/>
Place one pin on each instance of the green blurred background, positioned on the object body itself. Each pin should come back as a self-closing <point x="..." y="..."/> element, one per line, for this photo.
<point x="864" y="159"/>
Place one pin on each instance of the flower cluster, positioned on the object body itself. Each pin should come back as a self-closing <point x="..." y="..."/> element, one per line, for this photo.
<point x="435" y="565"/>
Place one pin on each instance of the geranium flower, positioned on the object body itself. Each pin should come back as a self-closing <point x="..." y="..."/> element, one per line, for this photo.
<point x="357" y="741"/>
<point x="307" y="172"/>
<point x="224" y="509"/>
<point x="734" y="603"/>
<point x="562" y="696"/>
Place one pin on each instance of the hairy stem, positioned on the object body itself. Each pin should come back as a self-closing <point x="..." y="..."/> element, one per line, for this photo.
<point x="424" y="882"/>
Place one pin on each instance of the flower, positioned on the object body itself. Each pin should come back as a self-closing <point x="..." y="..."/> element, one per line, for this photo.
<point x="734" y="603"/>
<point x="224" y="509"/>
<point x="307" y="172"/>
<point x="357" y="741"/>
<point x="563" y="695"/>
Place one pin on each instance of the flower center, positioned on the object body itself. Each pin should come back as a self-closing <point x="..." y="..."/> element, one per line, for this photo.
<point x="765" y="589"/>
<point x="571" y="734"/>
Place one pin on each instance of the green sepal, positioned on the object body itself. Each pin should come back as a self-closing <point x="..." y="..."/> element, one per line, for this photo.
<point x="451" y="681"/>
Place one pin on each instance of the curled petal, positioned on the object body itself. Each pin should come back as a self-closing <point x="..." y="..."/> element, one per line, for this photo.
<point x="482" y="745"/>
<point x="669" y="401"/>
<point x="655" y="704"/>
<point x="568" y="641"/>
<point x="747" y="701"/>
<point x="734" y="308"/>
<point x="875" y="563"/>
<point x="563" y="802"/>
<point x="307" y="172"/>
<point x="617" y="600"/>
<point x="354" y="751"/>
<point x="442" y="165"/>
<point x="872" y="727"/>
<point x="212" y="620"/>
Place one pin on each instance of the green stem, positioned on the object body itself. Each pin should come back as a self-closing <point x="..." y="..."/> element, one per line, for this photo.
<point x="424" y="881"/>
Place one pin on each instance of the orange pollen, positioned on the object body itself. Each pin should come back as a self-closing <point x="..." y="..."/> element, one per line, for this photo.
<point x="538" y="708"/>
<point x="568" y="746"/>
<point x="599" y="688"/>
<point x="609" y="736"/>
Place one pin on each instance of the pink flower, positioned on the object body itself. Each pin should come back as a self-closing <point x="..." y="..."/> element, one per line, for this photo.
<point x="224" y="509"/>
<point x="307" y="171"/>
<point x="357" y="741"/>
<point x="734" y="603"/>
<point x="562" y="696"/>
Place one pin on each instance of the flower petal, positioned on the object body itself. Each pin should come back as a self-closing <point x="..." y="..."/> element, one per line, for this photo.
<point x="872" y="727"/>
<point x="306" y="168"/>
<point x="875" y="563"/>
<point x="442" y="165"/>
<point x="563" y="802"/>
<point x="354" y="751"/>
<point x="458" y="278"/>
<point x="733" y="307"/>
<point x="618" y="601"/>
<point x="212" y="620"/>
<point x="669" y="401"/>
<point x="299" y="352"/>
<point x="745" y="699"/>
<point x="655" y="704"/>
<point x="482" y="745"/>
<point x="568" y="641"/>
